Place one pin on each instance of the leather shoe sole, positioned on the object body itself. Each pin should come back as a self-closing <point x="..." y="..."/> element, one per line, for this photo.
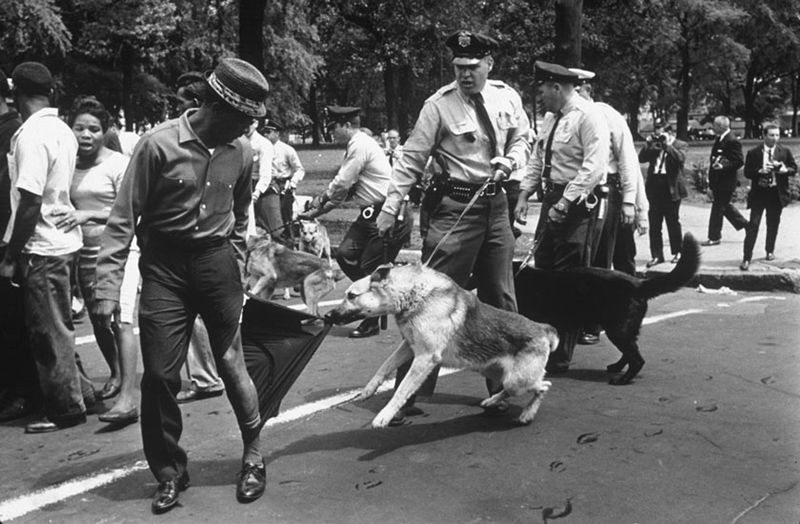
<point x="364" y="333"/>
<point x="588" y="339"/>
<point x="770" y="256"/>
<point x="711" y="243"/>
<point x="745" y="265"/>
<point x="166" y="496"/>
<point x="252" y="482"/>
<point x="655" y="262"/>
<point x="190" y="395"/>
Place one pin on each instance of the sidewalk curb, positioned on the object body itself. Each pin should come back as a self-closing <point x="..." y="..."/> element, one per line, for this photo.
<point x="758" y="279"/>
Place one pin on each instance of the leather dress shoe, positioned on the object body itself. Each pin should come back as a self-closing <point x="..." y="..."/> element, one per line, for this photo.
<point x="588" y="339"/>
<point x="675" y="258"/>
<point x="711" y="243"/>
<point x="252" y="482"/>
<point x="655" y="261"/>
<point x="17" y="408"/>
<point x="45" y="425"/>
<point x="368" y="328"/>
<point x="166" y="496"/>
<point x="745" y="265"/>
<point x="120" y="418"/>
<point x="770" y="256"/>
<point x="188" y="395"/>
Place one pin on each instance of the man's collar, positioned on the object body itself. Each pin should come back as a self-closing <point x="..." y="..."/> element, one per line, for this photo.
<point x="186" y="133"/>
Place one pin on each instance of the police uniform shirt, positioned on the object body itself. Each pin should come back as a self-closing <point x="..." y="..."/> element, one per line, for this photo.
<point x="623" y="158"/>
<point x="580" y="150"/>
<point x="286" y="163"/>
<point x="448" y="127"/>
<point x="364" y="173"/>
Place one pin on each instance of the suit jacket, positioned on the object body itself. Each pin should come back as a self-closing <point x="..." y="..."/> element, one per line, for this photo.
<point x="673" y="163"/>
<point x="729" y="152"/>
<point x="754" y="162"/>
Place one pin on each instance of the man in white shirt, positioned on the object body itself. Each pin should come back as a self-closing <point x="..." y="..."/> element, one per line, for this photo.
<point x="262" y="178"/>
<point x="287" y="172"/>
<point x="41" y="163"/>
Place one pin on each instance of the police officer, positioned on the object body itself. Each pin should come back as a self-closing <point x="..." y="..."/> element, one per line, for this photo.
<point x="475" y="130"/>
<point x="364" y="174"/>
<point x="570" y="159"/>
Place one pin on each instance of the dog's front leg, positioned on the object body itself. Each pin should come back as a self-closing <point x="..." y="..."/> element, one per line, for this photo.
<point x="400" y="355"/>
<point x="422" y="366"/>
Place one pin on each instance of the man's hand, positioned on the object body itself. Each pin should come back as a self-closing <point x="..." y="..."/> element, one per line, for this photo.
<point x="384" y="222"/>
<point x="7" y="268"/>
<point x="105" y="310"/>
<point x="521" y="209"/>
<point x="69" y="219"/>
<point x="501" y="167"/>
<point x="558" y="211"/>
<point x="628" y="213"/>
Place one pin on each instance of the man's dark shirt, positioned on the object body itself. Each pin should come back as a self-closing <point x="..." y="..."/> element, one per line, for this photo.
<point x="9" y="123"/>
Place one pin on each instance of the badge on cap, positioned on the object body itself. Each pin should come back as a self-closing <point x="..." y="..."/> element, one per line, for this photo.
<point x="464" y="39"/>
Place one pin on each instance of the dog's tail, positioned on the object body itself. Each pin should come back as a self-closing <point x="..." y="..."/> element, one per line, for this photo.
<point x="685" y="269"/>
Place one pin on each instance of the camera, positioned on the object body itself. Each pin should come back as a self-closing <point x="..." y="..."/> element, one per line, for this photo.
<point x="658" y="141"/>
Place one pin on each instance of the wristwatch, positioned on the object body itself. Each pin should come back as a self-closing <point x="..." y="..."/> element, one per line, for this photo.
<point x="560" y="206"/>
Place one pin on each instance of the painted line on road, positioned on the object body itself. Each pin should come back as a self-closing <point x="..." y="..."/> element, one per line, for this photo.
<point x="17" y="507"/>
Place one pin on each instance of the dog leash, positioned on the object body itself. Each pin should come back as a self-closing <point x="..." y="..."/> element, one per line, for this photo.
<point x="471" y="203"/>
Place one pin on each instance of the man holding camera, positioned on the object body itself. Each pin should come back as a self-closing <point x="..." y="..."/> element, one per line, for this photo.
<point x="769" y="167"/>
<point x="726" y="159"/>
<point x="664" y="188"/>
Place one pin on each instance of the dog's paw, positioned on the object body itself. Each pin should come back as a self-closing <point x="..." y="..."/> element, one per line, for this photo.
<point x="382" y="420"/>
<point x="525" y="420"/>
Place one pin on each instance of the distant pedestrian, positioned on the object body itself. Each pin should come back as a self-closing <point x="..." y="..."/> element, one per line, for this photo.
<point x="769" y="167"/>
<point x="726" y="159"/>
<point x="287" y="172"/>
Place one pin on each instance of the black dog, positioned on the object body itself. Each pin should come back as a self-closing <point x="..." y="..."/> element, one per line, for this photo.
<point x="615" y="300"/>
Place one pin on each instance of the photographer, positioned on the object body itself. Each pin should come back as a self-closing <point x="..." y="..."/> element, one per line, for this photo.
<point x="769" y="167"/>
<point x="664" y="188"/>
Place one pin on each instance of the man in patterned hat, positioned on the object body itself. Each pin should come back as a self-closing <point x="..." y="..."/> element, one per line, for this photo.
<point x="186" y="195"/>
<point x="475" y="129"/>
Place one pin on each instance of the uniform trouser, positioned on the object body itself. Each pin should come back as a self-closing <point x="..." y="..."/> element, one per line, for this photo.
<point x="267" y="210"/>
<point x="481" y="246"/>
<point x="625" y="250"/>
<point x="18" y="374"/>
<point x="603" y="252"/>
<point x="47" y="296"/>
<point x="761" y="201"/>
<point x="200" y="361"/>
<point x="362" y="250"/>
<point x="721" y="207"/>
<point x="664" y="209"/>
<point x="177" y="285"/>
<point x="564" y="246"/>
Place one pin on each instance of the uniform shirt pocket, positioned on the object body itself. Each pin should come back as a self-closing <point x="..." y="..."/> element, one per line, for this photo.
<point x="564" y="131"/>
<point x="464" y="129"/>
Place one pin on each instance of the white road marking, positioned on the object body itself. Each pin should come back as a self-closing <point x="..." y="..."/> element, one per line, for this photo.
<point x="19" y="506"/>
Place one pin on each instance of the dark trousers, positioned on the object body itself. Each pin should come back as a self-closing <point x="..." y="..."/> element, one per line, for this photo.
<point x="18" y="376"/>
<point x="761" y="201"/>
<point x="664" y="209"/>
<point x="178" y="283"/>
<point x="273" y="210"/>
<point x="362" y="250"/>
<point x="625" y="250"/>
<point x="721" y="207"/>
<point x="609" y="225"/>
<point x="479" y="250"/>
<point x="564" y="246"/>
<point x="47" y="296"/>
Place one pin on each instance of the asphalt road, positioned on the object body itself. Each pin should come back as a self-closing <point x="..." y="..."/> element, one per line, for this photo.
<point x="709" y="432"/>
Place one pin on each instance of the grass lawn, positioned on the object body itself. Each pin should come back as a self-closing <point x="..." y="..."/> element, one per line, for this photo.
<point x="322" y="163"/>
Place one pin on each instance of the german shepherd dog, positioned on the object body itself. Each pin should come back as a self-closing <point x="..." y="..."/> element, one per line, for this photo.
<point x="314" y="239"/>
<point x="617" y="301"/>
<point x="270" y="265"/>
<point x="442" y="323"/>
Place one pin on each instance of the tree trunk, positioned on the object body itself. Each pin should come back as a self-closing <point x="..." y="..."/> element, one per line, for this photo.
<point x="251" y="31"/>
<point x="131" y="115"/>
<point x="568" y="32"/>
<point x="795" y="101"/>
<point x="404" y="106"/>
<point x="390" y="93"/>
<point x="634" y="102"/>
<point x="749" y="93"/>
<point x="682" y="122"/>
<point x="314" y="114"/>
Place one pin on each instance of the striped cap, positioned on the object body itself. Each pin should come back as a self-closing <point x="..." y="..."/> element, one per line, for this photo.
<point x="240" y="85"/>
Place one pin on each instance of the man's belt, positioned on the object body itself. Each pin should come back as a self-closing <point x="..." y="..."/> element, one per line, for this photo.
<point x="549" y="186"/>
<point x="174" y="242"/>
<point x="464" y="191"/>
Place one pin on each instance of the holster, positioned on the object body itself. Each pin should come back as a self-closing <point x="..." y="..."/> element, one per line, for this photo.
<point x="435" y="191"/>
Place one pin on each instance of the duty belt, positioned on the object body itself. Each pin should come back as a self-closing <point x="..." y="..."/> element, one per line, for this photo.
<point x="550" y="186"/>
<point x="464" y="191"/>
<point x="371" y="212"/>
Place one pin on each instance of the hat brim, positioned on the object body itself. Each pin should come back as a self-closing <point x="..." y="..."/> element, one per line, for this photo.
<point x="248" y="107"/>
<point x="466" y="61"/>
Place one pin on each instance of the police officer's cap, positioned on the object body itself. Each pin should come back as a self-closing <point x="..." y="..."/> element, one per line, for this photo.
<point x="468" y="48"/>
<point x="273" y="125"/>
<point x="547" y="72"/>
<point x="584" y="76"/>
<point x="342" y="114"/>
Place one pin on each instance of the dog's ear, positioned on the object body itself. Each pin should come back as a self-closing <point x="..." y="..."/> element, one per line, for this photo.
<point x="382" y="273"/>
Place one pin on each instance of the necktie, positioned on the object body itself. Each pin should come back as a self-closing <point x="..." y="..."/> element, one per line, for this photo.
<point x="548" y="148"/>
<point x="486" y="123"/>
<point x="769" y="151"/>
